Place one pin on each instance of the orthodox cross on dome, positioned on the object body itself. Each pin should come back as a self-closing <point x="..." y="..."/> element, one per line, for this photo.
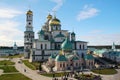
<point x="29" y="7"/>
<point x="54" y="13"/>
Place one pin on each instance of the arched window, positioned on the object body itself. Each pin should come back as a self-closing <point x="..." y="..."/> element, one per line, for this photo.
<point x="80" y="46"/>
<point x="41" y="46"/>
<point x="45" y="46"/>
<point x="60" y="65"/>
<point x="82" y="55"/>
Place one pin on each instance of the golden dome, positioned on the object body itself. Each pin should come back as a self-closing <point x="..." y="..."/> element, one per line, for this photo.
<point x="55" y="21"/>
<point x="29" y="12"/>
<point x="49" y="17"/>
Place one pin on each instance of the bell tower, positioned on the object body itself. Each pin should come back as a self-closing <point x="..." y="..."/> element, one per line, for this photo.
<point x="28" y="34"/>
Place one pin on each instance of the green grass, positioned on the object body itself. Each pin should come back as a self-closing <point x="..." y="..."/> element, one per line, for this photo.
<point x="6" y="62"/>
<point x="8" y="69"/>
<point x="13" y="77"/>
<point x="51" y="74"/>
<point x="28" y="64"/>
<point x="105" y="71"/>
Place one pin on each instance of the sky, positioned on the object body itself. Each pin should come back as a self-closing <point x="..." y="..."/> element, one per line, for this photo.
<point x="94" y="21"/>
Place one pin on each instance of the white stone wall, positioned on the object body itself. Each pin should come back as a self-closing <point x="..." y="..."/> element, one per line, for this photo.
<point x="37" y="45"/>
<point x="60" y="39"/>
<point x="83" y="45"/>
<point x="54" y="33"/>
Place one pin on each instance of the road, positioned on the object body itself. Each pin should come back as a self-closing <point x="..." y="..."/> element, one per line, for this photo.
<point x="29" y="73"/>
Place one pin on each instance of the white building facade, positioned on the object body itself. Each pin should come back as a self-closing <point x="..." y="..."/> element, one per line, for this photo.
<point x="49" y="41"/>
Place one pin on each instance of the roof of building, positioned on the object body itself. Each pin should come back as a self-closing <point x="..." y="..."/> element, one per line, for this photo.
<point x="100" y="51"/>
<point x="52" y="40"/>
<point x="29" y="12"/>
<point x="55" y="21"/>
<point x="53" y="56"/>
<point x="41" y="32"/>
<point x="59" y="35"/>
<point x="114" y="53"/>
<point x="72" y="33"/>
<point x="49" y="16"/>
<point x="75" y="58"/>
<point x="89" y="57"/>
<point x="66" y="45"/>
<point x="60" y="57"/>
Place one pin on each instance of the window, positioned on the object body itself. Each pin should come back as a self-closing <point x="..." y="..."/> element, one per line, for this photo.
<point x="41" y="46"/>
<point x="83" y="47"/>
<point x="45" y="46"/>
<point x="46" y="37"/>
<point x="82" y="55"/>
<point x="80" y="46"/>
<point x="58" y="46"/>
<point x="76" y="64"/>
<point x="29" y="23"/>
<point x="29" y="36"/>
<point x="60" y="65"/>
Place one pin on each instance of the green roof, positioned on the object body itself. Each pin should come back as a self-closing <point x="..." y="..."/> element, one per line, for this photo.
<point x="60" y="57"/>
<point x="52" y="40"/>
<point x="66" y="45"/>
<point x="41" y="32"/>
<point x="72" y="33"/>
<point x="75" y="58"/>
<point x="89" y="57"/>
<point x="59" y="35"/>
<point x="52" y="56"/>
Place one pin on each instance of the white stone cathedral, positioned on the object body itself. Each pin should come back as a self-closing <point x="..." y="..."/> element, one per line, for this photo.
<point x="50" y="38"/>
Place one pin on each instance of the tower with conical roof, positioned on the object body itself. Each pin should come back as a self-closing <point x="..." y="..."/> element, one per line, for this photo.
<point x="28" y="34"/>
<point x="113" y="46"/>
<point x="15" y="48"/>
<point x="72" y="36"/>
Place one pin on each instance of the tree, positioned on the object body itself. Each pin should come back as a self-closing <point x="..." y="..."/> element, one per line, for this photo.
<point x="40" y="67"/>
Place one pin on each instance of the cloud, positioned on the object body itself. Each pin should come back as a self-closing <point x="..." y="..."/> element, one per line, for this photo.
<point x="9" y="28"/>
<point x="101" y="39"/>
<point x="59" y="3"/>
<point x="9" y="13"/>
<point x="87" y="12"/>
<point x="95" y="31"/>
<point x="9" y="32"/>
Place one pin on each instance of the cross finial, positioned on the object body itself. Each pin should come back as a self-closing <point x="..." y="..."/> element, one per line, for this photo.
<point x="73" y="29"/>
<point x="29" y="7"/>
<point x="54" y="13"/>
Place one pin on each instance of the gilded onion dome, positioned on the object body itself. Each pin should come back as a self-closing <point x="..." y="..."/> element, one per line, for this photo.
<point x="55" y="21"/>
<point x="29" y="12"/>
<point x="49" y="16"/>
